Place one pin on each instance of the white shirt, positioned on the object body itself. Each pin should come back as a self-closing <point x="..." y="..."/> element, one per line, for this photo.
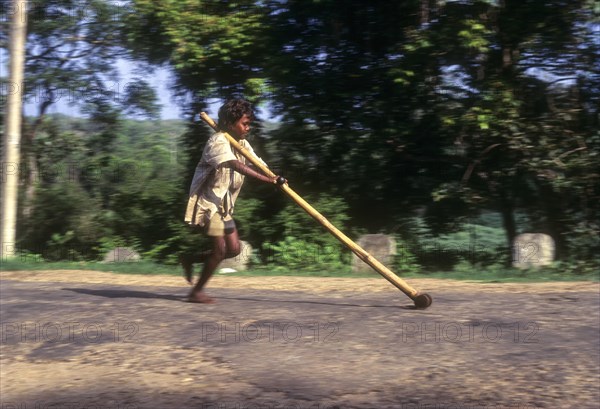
<point x="215" y="188"/>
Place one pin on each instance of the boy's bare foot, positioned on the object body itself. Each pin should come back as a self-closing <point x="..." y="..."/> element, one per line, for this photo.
<point x="188" y="268"/>
<point x="200" y="297"/>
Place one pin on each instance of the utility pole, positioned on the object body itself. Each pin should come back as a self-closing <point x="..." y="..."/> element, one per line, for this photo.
<point x="11" y="142"/>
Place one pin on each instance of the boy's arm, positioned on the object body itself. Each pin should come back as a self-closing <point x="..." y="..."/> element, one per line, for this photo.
<point x="248" y="171"/>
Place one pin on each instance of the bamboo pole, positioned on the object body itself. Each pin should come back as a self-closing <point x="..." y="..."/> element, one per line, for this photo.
<point x="421" y="300"/>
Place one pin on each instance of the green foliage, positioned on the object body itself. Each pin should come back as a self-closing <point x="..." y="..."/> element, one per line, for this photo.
<point x="471" y="243"/>
<point x="405" y="261"/>
<point x="297" y="223"/>
<point x="198" y="36"/>
<point x="304" y="243"/>
<point x="106" y="244"/>
<point x="182" y="240"/>
<point x="477" y="271"/>
<point x="92" y="196"/>
<point x="139" y="98"/>
<point x="558" y="271"/>
<point x="478" y="244"/>
<point x="398" y="107"/>
<point x="294" y="254"/>
<point x="577" y="268"/>
<point x="32" y="262"/>
<point x="72" y="49"/>
<point x="64" y="223"/>
<point x="249" y="219"/>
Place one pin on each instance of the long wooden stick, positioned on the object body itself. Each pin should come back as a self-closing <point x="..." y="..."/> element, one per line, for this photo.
<point x="421" y="300"/>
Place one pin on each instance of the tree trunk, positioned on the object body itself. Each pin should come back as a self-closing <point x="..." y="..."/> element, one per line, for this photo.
<point x="553" y="212"/>
<point x="33" y="173"/>
<point x="508" y="222"/>
<point x="12" y="132"/>
<point x="428" y="7"/>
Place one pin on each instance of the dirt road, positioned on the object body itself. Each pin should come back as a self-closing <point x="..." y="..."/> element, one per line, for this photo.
<point x="84" y="339"/>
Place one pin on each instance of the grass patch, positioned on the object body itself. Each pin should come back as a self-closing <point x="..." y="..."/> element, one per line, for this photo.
<point x="500" y="274"/>
<point x="507" y="276"/>
<point x="134" y="267"/>
<point x="279" y="271"/>
<point x="483" y="274"/>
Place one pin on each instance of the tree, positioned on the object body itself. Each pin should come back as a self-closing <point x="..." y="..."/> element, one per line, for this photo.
<point x="214" y="46"/>
<point x="514" y="134"/>
<point x="11" y="140"/>
<point x="92" y="196"/>
<point x="401" y="106"/>
<point x="72" y="50"/>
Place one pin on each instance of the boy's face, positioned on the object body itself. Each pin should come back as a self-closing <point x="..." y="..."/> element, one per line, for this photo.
<point x="241" y="127"/>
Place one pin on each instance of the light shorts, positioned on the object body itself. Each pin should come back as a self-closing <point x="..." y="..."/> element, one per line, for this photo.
<point x="219" y="226"/>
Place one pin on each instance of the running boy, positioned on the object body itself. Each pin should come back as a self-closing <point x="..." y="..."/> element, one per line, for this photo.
<point x="215" y="187"/>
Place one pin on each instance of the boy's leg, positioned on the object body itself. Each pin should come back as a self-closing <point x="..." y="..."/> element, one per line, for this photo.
<point x="223" y="247"/>
<point x="232" y="243"/>
<point x="226" y="244"/>
<point x="210" y="265"/>
<point x="188" y="261"/>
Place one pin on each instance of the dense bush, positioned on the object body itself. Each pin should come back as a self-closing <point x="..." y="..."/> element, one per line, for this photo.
<point x="472" y="243"/>
<point x="302" y="243"/>
<point x="90" y="198"/>
<point x="93" y="189"/>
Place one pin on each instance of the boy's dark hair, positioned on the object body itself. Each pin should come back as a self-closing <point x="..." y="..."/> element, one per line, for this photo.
<point x="232" y="111"/>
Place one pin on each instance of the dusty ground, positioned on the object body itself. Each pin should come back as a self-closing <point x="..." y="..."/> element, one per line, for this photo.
<point x="82" y="339"/>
